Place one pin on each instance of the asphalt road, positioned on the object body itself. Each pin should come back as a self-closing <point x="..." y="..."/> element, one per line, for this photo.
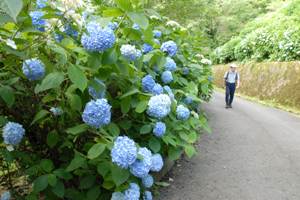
<point x="252" y="154"/>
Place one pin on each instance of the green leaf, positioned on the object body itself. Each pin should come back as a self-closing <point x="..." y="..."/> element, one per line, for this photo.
<point x="52" y="80"/>
<point x="130" y="93"/>
<point x="112" y="12"/>
<point x="140" y="19"/>
<point x="78" y="161"/>
<point x="103" y="168"/>
<point x="174" y="153"/>
<point x="119" y="175"/>
<point x="47" y="165"/>
<point x="40" y="115"/>
<point x="59" y="189"/>
<point x="40" y="183"/>
<point x="78" y="77"/>
<point x="52" y="179"/>
<point x="96" y="150"/>
<point x="11" y="8"/>
<point x="154" y="145"/>
<point x="75" y="130"/>
<point x="124" y="4"/>
<point x="125" y="105"/>
<point x="145" y="129"/>
<point x="7" y="95"/>
<point x="87" y="182"/>
<point x="114" y="129"/>
<point x="190" y="150"/>
<point x="141" y="106"/>
<point x="52" y="139"/>
<point x="192" y="137"/>
<point x="75" y="102"/>
<point x="93" y="193"/>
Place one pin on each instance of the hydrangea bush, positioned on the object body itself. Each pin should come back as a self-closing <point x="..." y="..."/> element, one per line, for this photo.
<point x="93" y="98"/>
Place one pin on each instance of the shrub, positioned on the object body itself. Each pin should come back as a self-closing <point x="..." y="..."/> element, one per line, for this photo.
<point x="88" y="116"/>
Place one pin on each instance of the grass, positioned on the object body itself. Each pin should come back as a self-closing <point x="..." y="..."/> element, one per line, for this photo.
<point x="265" y="102"/>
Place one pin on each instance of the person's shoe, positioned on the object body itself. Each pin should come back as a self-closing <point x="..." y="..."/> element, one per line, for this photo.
<point x="230" y="106"/>
<point x="227" y="106"/>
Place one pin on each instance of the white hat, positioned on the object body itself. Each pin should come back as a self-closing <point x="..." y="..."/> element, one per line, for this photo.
<point x="233" y="65"/>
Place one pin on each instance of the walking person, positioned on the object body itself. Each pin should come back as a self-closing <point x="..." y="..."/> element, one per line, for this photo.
<point x="231" y="82"/>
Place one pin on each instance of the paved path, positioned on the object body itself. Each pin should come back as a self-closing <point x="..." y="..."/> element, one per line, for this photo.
<point x="252" y="154"/>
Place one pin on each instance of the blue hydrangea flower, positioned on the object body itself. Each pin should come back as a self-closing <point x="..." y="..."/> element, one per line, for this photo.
<point x="169" y="92"/>
<point x="5" y="196"/>
<point x="147" y="48"/>
<point x="147" y="195"/>
<point x="33" y="69"/>
<point x="41" y="4"/>
<point x="210" y="78"/>
<point x="157" y="89"/>
<point x="70" y="31"/>
<point x="188" y="100"/>
<point x="138" y="53"/>
<point x="37" y="21"/>
<point x="136" y="27"/>
<point x="167" y="77"/>
<point x="56" y="111"/>
<point x="97" y="113"/>
<point x="117" y="196"/>
<point x="159" y="129"/>
<point x="148" y="181"/>
<point x="157" y="163"/>
<point x="169" y="47"/>
<point x="157" y="34"/>
<point x="157" y="41"/>
<point x="159" y="106"/>
<point x="13" y="133"/>
<point x="141" y="167"/>
<point x="112" y="25"/>
<point x="130" y="52"/>
<point x="170" y="64"/>
<point x="148" y="83"/>
<point x="97" y="94"/>
<point x="133" y="192"/>
<point x="97" y="39"/>
<point x="58" y="37"/>
<point x="182" y="112"/>
<point x="185" y="71"/>
<point x="124" y="152"/>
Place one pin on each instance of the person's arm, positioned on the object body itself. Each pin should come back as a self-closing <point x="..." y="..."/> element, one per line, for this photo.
<point x="238" y="81"/>
<point x="225" y="77"/>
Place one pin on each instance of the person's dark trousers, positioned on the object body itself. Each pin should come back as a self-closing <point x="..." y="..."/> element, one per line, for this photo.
<point x="230" y="89"/>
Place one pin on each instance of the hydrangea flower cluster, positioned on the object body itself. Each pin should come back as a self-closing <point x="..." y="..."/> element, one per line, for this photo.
<point x="185" y="71"/>
<point x="136" y="27"/>
<point x="182" y="112"/>
<point x="97" y="39"/>
<point x="148" y="83"/>
<point x="147" y="195"/>
<point x="33" y="69"/>
<point x="169" y="92"/>
<point x="159" y="129"/>
<point x="159" y="106"/>
<point x="157" y="89"/>
<point x="147" y="48"/>
<point x="5" y="196"/>
<point x="170" y="64"/>
<point x="58" y="37"/>
<point x="133" y="192"/>
<point x="70" y="31"/>
<point x="117" y="196"/>
<point x="97" y="94"/>
<point x="124" y="152"/>
<point x="41" y="4"/>
<point x="56" y="111"/>
<point x="167" y="77"/>
<point x="156" y="41"/>
<point x="140" y="168"/>
<point x="37" y="20"/>
<point x="157" y="163"/>
<point x="97" y="113"/>
<point x="13" y="133"/>
<point x="148" y="181"/>
<point x="112" y="25"/>
<point x="157" y="33"/>
<point x="130" y="52"/>
<point x="188" y="100"/>
<point x="169" y="47"/>
<point x="210" y="78"/>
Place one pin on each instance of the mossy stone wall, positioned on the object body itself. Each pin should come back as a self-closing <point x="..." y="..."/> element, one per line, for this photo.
<point x="273" y="81"/>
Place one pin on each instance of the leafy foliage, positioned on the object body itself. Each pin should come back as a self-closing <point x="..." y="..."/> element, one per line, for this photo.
<point x="62" y="156"/>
